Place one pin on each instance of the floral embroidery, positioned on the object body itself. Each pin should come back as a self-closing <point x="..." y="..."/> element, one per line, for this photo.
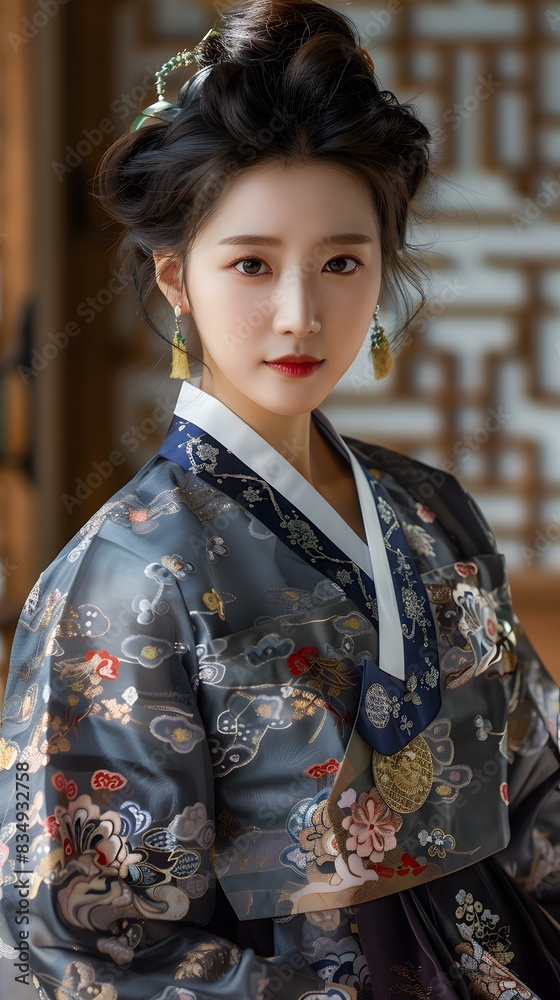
<point x="483" y="727"/>
<point x="175" y="564"/>
<point x="413" y="986"/>
<point x="325" y="672"/>
<point x="477" y="924"/>
<point x="301" y="533"/>
<point x="419" y="540"/>
<point x="440" y="842"/>
<point x="269" y="647"/>
<point x="178" y="731"/>
<point x="115" y="710"/>
<point x="148" y="650"/>
<point x="489" y="978"/>
<point x="251" y="495"/>
<point x="215" y="547"/>
<point x="425" y="513"/>
<point x="214" y="602"/>
<point x="372" y="826"/>
<point x="448" y="777"/>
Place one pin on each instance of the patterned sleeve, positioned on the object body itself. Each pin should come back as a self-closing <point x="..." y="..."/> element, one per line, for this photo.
<point x="106" y="798"/>
<point x="532" y="856"/>
<point x="535" y="684"/>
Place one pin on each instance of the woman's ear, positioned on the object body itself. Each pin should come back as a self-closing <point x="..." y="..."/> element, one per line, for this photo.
<point x="169" y="281"/>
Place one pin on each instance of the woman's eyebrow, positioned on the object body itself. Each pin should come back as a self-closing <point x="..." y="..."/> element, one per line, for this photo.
<point x="339" y="239"/>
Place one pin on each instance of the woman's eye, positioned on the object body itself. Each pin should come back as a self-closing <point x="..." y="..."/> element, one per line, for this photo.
<point x="251" y="261"/>
<point x="255" y="261"/>
<point x="353" y="260"/>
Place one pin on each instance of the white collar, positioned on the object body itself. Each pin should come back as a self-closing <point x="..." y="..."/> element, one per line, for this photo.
<point x="213" y="416"/>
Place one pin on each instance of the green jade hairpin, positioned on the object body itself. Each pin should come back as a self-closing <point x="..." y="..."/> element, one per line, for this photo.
<point x="170" y="111"/>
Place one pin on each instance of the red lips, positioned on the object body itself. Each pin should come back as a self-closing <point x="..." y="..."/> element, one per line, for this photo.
<point x="295" y="366"/>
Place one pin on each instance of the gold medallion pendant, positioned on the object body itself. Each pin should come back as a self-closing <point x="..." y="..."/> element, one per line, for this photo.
<point x="404" y="779"/>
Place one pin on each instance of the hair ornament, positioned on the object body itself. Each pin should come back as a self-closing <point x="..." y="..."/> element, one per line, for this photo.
<point x="162" y="109"/>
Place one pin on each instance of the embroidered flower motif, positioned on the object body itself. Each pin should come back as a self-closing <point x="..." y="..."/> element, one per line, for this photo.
<point x="483" y="727"/>
<point x="406" y="723"/>
<point x="372" y="826"/>
<point x="251" y="495"/>
<point x="299" y="662"/>
<point x="215" y="547"/>
<point x="177" y="566"/>
<point x="488" y="976"/>
<point x="301" y="533"/>
<point x="419" y="540"/>
<point x="414" y="606"/>
<point x="425" y="513"/>
<point x="208" y="455"/>
<point x="214" y="602"/>
<point x="176" y="730"/>
<point x="51" y="827"/>
<point x="147" y="649"/>
<point x="323" y="671"/>
<point x="466" y="568"/>
<point x="440" y="842"/>
<point x="115" y="710"/>
<point x="431" y="677"/>
<point x="386" y="512"/>
<point x="412" y="695"/>
<point x="271" y="646"/>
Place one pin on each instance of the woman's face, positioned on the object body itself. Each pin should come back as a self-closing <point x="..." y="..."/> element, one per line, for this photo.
<point x="289" y="264"/>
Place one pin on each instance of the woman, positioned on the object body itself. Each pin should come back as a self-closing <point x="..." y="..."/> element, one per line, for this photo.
<point x="275" y="688"/>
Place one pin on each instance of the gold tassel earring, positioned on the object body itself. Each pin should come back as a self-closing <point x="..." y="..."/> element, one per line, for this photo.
<point x="180" y="358"/>
<point x="381" y="356"/>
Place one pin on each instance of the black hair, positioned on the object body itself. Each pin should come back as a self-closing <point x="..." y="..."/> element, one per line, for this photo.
<point x="301" y="66"/>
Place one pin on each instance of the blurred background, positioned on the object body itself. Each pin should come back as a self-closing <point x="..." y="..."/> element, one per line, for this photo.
<point x="85" y="394"/>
